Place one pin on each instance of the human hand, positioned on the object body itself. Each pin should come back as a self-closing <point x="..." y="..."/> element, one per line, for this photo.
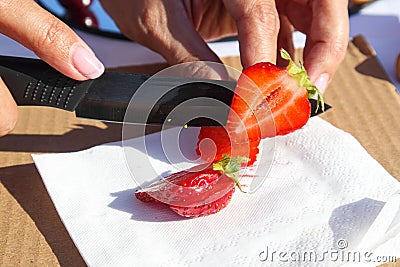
<point x="326" y="25"/>
<point x="53" y="41"/>
<point x="175" y="29"/>
<point x="178" y="30"/>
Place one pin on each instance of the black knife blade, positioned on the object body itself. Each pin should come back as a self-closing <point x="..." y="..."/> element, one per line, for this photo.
<point x="122" y="97"/>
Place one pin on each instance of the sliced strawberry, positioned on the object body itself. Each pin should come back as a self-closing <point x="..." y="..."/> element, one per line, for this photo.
<point x="281" y="94"/>
<point x="184" y="187"/>
<point x="207" y="209"/>
<point x="197" y="191"/>
<point x="268" y="101"/>
<point x="145" y="197"/>
<point x="284" y="92"/>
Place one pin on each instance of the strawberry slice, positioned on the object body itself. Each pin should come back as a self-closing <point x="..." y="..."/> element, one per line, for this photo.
<point x="202" y="190"/>
<point x="205" y="209"/>
<point x="268" y="101"/>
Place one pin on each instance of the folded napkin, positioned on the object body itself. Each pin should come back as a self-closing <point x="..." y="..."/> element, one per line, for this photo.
<point x="323" y="197"/>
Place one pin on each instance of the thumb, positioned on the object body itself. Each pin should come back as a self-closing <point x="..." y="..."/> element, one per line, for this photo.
<point x="8" y="110"/>
<point x="50" y="39"/>
<point x="327" y="41"/>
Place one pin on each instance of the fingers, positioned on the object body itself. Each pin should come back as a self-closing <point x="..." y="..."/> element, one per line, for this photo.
<point x="258" y="26"/>
<point x="285" y="40"/>
<point x="181" y="42"/>
<point x="27" y="23"/>
<point x="52" y="40"/>
<point x="210" y="19"/>
<point x="327" y="41"/>
<point x="8" y="110"/>
<point x="163" y="26"/>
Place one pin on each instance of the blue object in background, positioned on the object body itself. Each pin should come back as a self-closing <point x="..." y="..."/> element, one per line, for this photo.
<point x="106" y="24"/>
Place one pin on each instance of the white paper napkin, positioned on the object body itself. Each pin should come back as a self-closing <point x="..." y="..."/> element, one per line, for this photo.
<point x="325" y="198"/>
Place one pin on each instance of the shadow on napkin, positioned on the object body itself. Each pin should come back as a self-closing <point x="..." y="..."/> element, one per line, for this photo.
<point x="172" y="146"/>
<point x="346" y="218"/>
<point x="160" y="154"/>
<point x="148" y="212"/>
<point x="26" y="186"/>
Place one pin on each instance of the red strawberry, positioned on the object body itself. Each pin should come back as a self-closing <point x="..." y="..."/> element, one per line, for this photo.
<point x="268" y="101"/>
<point x="198" y="191"/>
<point x="206" y="209"/>
<point x="283" y="91"/>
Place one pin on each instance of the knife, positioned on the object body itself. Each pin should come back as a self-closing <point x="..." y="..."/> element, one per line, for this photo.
<point x="122" y="97"/>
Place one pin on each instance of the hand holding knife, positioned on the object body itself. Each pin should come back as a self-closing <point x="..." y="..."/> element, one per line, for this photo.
<point x="34" y="83"/>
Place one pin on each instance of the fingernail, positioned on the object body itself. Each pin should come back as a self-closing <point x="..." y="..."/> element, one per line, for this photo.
<point x="322" y="82"/>
<point x="86" y="62"/>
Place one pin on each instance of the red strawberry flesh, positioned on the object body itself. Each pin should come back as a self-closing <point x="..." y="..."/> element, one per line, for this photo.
<point x="188" y="188"/>
<point x="268" y="101"/>
<point x="204" y="210"/>
<point x="201" y="190"/>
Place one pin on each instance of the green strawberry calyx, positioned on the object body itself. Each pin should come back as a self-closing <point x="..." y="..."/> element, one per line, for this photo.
<point x="300" y="73"/>
<point x="231" y="167"/>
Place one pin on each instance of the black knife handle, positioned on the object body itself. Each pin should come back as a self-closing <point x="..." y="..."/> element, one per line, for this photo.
<point x="32" y="82"/>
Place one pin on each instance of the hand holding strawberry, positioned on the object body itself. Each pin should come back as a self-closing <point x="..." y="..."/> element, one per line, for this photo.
<point x="278" y="104"/>
<point x="181" y="29"/>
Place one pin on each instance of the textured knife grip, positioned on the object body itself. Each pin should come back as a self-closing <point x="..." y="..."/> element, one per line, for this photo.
<point x="32" y="82"/>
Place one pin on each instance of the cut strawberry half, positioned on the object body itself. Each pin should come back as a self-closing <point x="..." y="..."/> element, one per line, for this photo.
<point x="268" y="101"/>
<point x="198" y="191"/>
<point x="282" y="101"/>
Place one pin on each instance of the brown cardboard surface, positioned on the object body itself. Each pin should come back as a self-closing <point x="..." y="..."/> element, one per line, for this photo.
<point x="31" y="233"/>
